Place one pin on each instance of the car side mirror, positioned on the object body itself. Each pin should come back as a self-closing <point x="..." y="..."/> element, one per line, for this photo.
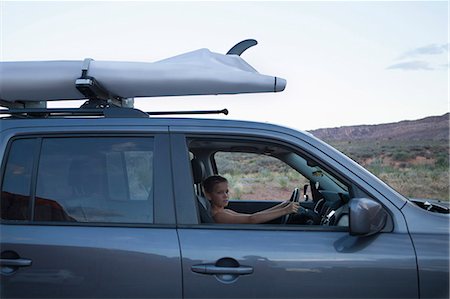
<point x="367" y="217"/>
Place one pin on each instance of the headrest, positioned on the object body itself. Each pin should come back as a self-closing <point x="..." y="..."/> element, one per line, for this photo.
<point x="198" y="170"/>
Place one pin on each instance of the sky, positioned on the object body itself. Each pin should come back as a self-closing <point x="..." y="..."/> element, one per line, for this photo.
<point x="346" y="63"/>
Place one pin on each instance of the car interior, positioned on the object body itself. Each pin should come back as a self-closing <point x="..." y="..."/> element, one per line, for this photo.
<point x="323" y="198"/>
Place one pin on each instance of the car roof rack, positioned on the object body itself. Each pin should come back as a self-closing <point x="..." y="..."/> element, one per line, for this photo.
<point x="107" y="112"/>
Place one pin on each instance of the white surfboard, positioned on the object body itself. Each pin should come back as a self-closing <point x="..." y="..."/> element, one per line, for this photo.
<point x="200" y="72"/>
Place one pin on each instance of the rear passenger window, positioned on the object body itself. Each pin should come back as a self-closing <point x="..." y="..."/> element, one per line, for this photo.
<point x="95" y="180"/>
<point x="80" y="179"/>
<point x="16" y="187"/>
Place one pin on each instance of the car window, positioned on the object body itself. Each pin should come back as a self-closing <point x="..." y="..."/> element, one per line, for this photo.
<point x="262" y="173"/>
<point x="90" y="179"/>
<point x="15" y="201"/>
<point x="96" y="179"/>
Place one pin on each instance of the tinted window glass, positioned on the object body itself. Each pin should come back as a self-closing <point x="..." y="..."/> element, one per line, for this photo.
<point x="17" y="180"/>
<point x="107" y="179"/>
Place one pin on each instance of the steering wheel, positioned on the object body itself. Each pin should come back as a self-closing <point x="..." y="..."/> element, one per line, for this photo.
<point x="294" y="198"/>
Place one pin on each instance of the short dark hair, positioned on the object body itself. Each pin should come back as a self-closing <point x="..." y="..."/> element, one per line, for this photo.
<point x="210" y="182"/>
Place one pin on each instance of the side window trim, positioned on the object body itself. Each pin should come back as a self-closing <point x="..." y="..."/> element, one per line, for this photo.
<point x="164" y="205"/>
<point x="35" y="169"/>
<point x="212" y="160"/>
<point x="185" y="202"/>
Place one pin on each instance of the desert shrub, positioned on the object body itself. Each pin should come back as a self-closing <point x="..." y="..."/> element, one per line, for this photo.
<point x="265" y="173"/>
<point x="283" y="181"/>
<point x="293" y="176"/>
<point x="419" y="150"/>
<point x="237" y="191"/>
<point x="401" y="156"/>
<point x="442" y="161"/>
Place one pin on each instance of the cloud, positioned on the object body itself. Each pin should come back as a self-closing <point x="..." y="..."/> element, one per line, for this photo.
<point x="412" y="66"/>
<point x="433" y="49"/>
<point x="426" y="58"/>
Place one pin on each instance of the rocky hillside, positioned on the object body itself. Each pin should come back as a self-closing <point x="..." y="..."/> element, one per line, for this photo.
<point x="429" y="128"/>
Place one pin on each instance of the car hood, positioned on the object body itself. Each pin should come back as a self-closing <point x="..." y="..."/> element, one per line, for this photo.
<point x="422" y="220"/>
<point x="432" y="205"/>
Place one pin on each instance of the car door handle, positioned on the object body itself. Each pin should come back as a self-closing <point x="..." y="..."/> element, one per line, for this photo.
<point x="213" y="269"/>
<point x="15" y="262"/>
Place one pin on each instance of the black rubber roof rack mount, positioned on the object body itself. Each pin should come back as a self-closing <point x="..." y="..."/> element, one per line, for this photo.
<point x="88" y="86"/>
<point x="98" y="96"/>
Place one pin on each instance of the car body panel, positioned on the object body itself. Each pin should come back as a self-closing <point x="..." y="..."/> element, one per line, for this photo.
<point x="431" y="239"/>
<point x="95" y="262"/>
<point x="433" y="264"/>
<point x="299" y="264"/>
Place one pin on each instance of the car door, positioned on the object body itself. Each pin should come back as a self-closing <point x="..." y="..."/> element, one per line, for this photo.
<point x="285" y="261"/>
<point x="85" y="215"/>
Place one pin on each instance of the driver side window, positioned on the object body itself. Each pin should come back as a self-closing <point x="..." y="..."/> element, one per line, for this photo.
<point x="260" y="175"/>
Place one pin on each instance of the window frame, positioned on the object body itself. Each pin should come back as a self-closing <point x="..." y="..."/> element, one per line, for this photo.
<point x="163" y="212"/>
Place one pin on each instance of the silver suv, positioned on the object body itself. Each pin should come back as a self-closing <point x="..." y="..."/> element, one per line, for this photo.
<point x="105" y="201"/>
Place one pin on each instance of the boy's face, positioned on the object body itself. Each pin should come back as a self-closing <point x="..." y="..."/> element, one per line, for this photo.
<point x="219" y="195"/>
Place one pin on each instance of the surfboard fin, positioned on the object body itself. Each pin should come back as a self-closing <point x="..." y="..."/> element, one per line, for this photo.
<point x="240" y="47"/>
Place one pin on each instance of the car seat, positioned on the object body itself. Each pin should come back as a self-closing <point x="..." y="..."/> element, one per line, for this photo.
<point x="204" y="206"/>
